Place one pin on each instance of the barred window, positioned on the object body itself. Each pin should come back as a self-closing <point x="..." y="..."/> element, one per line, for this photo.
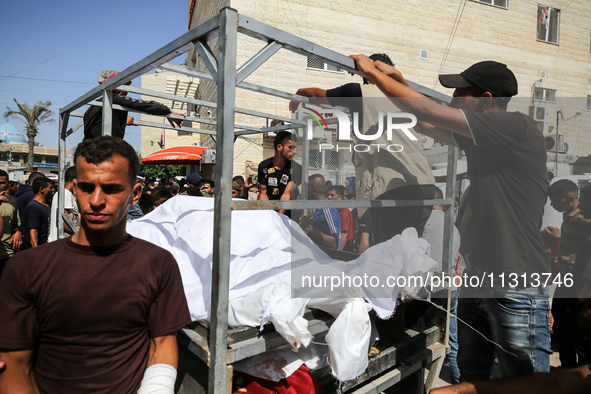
<point x="496" y="3"/>
<point x="320" y="65"/>
<point x="548" y="24"/>
<point x="544" y="94"/>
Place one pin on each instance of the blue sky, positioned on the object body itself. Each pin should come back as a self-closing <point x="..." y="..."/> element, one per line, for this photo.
<point x="79" y="38"/>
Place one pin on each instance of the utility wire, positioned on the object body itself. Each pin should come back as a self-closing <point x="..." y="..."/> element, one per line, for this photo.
<point x="71" y="46"/>
<point x="452" y="34"/>
<point x="46" y="80"/>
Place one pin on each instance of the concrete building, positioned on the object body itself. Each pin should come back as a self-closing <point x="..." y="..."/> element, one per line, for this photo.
<point x="164" y="81"/>
<point x="546" y="44"/>
<point x="14" y="151"/>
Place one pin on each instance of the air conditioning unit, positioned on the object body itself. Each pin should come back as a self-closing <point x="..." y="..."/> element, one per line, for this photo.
<point x="208" y="156"/>
<point x="550" y="140"/>
<point x="541" y="115"/>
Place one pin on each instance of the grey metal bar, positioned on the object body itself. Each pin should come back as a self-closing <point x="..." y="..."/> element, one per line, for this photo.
<point x="61" y="163"/>
<point x="208" y="57"/>
<point x="169" y="127"/>
<point x="203" y="103"/>
<point x="302" y="204"/>
<point x="252" y="130"/>
<point x="256" y="29"/>
<point x="450" y="188"/>
<point x="184" y="43"/>
<point x="73" y="129"/>
<point x="305" y="163"/>
<point x="107" y="112"/>
<point x="257" y="60"/>
<point x="226" y="96"/>
<point x="244" y="85"/>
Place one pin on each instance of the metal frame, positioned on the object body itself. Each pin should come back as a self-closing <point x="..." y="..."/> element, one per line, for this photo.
<point x="222" y="70"/>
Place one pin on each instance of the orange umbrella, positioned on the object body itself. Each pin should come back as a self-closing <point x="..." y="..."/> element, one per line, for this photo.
<point x="175" y="155"/>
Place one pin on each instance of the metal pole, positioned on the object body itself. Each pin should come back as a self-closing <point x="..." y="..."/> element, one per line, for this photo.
<point x="61" y="163"/>
<point x="226" y="95"/>
<point x="107" y="112"/>
<point x="556" y="145"/>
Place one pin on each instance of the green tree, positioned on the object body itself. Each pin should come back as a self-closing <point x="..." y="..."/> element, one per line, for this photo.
<point x="32" y="118"/>
<point x="158" y="170"/>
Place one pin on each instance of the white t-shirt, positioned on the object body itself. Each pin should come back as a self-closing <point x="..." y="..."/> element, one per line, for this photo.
<point x="69" y="204"/>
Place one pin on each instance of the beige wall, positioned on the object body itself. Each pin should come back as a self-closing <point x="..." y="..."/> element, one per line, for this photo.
<point x="401" y="28"/>
<point x="164" y="82"/>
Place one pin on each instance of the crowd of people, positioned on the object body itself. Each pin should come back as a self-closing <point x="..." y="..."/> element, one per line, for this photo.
<point x="97" y="311"/>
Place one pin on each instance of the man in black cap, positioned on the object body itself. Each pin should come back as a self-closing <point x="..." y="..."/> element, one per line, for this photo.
<point x="93" y="117"/>
<point x="193" y="181"/>
<point x="508" y="180"/>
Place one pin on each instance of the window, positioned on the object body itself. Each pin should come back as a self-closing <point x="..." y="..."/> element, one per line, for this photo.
<point x="320" y="65"/>
<point x="496" y="3"/>
<point x="588" y="101"/>
<point x="543" y="94"/>
<point x="548" y="23"/>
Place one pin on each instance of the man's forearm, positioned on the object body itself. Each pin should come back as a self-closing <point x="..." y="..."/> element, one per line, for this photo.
<point x="323" y="239"/>
<point x="33" y="235"/>
<point x="18" y="377"/>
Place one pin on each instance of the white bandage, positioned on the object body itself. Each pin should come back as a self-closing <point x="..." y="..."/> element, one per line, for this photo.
<point x="158" y="379"/>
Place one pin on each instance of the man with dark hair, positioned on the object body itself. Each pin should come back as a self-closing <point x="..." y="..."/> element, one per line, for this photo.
<point x="575" y="228"/>
<point x="96" y="311"/>
<point x="146" y="203"/>
<point x="325" y="226"/>
<point x="279" y="175"/>
<point x="12" y="188"/>
<point x="508" y="182"/>
<point x="23" y="197"/>
<point x="38" y="212"/>
<point x="9" y="221"/>
<point x="207" y="187"/>
<point x="193" y="185"/>
<point x="93" y="117"/>
<point x="161" y="195"/>
<point x="382" y="174"/>
<point x="70" y="206"/>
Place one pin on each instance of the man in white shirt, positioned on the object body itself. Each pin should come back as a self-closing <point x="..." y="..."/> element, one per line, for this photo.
<point x="70" y="206"/>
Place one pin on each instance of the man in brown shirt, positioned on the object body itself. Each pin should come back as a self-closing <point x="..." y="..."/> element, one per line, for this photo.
<point x="96" y="311"/>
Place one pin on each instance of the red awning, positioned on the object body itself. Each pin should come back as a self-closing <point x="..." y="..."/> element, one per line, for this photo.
<point x="175" y="155"/>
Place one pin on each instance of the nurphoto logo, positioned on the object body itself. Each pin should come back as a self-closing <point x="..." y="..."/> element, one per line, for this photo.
<point x="345" y="124"/>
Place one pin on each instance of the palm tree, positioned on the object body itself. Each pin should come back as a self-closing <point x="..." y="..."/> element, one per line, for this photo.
<point x="32" y="118"/>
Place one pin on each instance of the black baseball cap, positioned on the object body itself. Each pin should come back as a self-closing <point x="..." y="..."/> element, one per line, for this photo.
<point x="490" y="76"/>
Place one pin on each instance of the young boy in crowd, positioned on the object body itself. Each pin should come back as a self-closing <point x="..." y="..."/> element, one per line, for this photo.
<point x="575" y="228"/>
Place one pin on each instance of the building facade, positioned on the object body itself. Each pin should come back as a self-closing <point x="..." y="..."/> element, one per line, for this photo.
<point x="547" y="44"/>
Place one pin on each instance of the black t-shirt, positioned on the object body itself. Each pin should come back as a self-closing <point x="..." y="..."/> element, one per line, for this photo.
<point x="508" y="187"/>
<point x="93" y="117"/>
<point x="276" y="180"/>
<point x="349" y="96"/>
<point x="90" y="312"/>
<point x="38" y="216"/>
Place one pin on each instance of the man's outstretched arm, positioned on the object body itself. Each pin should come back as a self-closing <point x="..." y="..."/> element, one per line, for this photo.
<point x="319" y="94"/>
<point x="393" y="85"/>
<point x="17" y="376"/>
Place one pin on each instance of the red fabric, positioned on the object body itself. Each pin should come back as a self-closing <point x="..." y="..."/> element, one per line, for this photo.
<point x="300" y="382"/>
<point x="347" y="223"/>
